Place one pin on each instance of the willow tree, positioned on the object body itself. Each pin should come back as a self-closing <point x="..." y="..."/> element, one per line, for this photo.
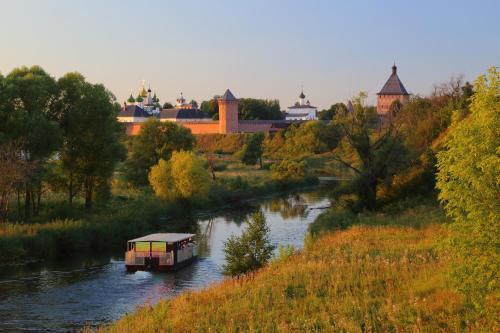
<point x="371" y="147"/>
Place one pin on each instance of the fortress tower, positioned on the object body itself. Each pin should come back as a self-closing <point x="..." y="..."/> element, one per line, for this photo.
<point x="228" y="113"/>
<point x="393" y="90"/>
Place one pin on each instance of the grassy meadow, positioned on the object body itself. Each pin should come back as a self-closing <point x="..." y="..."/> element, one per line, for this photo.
<point x="386" y="273"/>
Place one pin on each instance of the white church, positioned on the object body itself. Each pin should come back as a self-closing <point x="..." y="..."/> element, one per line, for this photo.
<point x="302" y="110"/>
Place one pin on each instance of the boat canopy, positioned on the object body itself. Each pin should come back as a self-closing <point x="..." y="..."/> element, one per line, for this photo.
<point x="163" y="237"/>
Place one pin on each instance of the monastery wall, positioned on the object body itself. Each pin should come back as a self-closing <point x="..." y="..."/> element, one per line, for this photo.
<point x="205" y="127"/>
<point x="252" y="126"/>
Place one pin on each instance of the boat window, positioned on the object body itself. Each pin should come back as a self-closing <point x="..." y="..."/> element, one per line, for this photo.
<point x="142" y="246"/>
<point x="159" y="246"/>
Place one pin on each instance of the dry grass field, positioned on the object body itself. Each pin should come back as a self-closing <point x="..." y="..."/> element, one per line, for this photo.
<point x="382" y="275"/>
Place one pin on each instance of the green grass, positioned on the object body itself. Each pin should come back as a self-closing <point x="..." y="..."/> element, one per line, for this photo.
<point x="386" y="274"/>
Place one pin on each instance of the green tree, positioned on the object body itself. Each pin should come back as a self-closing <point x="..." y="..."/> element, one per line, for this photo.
<point x="185" y="176"/>
<point x="372" y="148"/>
<point x="211" y="107"/>
<point x="252" y="150"/>
<point x="167" y="105"/>
<point x="29" y="114"/>
<point x="92" y="136"/>
<point x="288" y="170"/>
<point x="309" y="138"/>
<point x="259" y="109"/>
<point x="156" y="140"/>
<point x="329" y="114"/>
<point x="468" y="180"/>
<point x="251" y="250"/>
<point x="274" y="144"/>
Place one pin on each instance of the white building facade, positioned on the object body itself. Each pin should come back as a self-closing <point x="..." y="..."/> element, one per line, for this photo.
<point x="302" y="110"/>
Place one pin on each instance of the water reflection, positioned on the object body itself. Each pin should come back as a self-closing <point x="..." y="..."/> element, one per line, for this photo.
<point x="67" y="294"/>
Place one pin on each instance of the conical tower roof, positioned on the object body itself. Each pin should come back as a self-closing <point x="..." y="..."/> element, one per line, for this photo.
<point x="228" y="96"/>
<point x="393" y="86"/>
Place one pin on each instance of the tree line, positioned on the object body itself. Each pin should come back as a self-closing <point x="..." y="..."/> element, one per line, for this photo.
<point x="60" y="132"/>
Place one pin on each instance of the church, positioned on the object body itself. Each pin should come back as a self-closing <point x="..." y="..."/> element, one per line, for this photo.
<point x="302" y="110"/>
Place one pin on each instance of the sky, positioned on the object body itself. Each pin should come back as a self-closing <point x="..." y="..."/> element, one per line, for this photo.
<point x="260" y="48"/>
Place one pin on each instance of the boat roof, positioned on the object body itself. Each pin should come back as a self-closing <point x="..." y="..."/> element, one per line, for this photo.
<point x="163" y="237"/>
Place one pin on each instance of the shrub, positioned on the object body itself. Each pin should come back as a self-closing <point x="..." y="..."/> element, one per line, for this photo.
<point x="251" y="250"/>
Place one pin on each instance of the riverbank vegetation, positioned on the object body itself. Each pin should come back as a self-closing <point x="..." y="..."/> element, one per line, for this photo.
<point x="379" y="260"/>
<point x="386" y="273"/>
<point x="386" y="256"/>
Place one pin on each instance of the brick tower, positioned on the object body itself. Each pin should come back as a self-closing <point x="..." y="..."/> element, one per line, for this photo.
<point x="393" y="90"/>
<point x="228" y="113"/>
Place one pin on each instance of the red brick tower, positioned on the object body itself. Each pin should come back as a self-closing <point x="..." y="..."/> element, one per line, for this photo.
<point x="228" y="113"/>
<point x="393" y="90"/>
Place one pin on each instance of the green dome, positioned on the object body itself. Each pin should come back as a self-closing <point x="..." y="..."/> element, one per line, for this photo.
<point x="131" y="99"/>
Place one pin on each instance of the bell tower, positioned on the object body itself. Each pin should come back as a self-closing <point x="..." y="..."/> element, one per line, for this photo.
<point x="228" y="113"/>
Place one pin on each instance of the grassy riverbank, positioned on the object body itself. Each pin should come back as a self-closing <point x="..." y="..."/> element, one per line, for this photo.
<point x="128" y="214"/>
<point x="387" y="273"/>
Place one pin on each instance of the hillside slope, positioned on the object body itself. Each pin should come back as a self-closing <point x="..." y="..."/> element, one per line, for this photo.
<point x="369" y="278"/>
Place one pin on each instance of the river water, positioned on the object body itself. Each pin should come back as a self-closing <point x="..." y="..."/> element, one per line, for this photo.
<point x="68" y="295"/>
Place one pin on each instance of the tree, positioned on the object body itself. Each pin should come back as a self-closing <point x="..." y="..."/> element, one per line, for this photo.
<point x="184" y="177"/>
<point x="156" y="140"/>
<point x="13" y="171"/>
<point x="288" y="170"/>
<point x="468" y="180"/>
<point x="375" y="147"/>
<point x="252" y="150"/>
<point x="312" y="137"/>
<point x="29" y="114"/>
<point x="92" y="135"/>
<point x="251" y="250"/>
<point x="255" y="109"/>
<point x="167" y="105"/>
<point x="330" y="113"/>
<point x="211" y="107"/>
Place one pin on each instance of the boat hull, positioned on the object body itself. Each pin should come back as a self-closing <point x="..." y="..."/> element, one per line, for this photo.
<point x="160" y="268"/>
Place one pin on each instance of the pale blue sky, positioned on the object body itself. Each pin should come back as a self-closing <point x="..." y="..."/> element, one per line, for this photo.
<point x="261" y="48"/>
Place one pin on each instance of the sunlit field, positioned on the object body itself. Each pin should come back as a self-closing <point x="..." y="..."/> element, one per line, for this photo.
<point x="369" y="278"/>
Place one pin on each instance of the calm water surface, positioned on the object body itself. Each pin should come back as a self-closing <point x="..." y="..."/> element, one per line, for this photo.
<point x="67" y="295"/>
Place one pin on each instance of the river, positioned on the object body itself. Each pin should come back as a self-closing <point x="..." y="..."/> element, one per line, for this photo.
<point x="67" y="295"/>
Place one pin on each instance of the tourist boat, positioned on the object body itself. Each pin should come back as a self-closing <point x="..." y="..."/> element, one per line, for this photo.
<point x="160" y="252"/>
